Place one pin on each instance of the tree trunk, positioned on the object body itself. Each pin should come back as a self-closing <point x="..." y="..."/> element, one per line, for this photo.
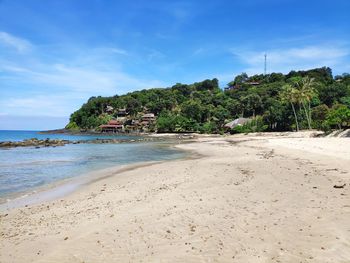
<point x="307" y="115"/>
<point x="310" y="116"/>
<point x="295" y="116"/>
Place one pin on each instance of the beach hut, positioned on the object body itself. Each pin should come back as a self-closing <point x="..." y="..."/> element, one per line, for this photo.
<point x="253" y="83"/>
<point x="113" y="126"/>
<point x="235" y="123"/>
<point x="109" y="109"/>
<point x="148" y="117"/>
<point x="122" y="112"/>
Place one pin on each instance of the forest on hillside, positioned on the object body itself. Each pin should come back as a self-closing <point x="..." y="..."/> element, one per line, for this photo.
<point x="273" y="102"/>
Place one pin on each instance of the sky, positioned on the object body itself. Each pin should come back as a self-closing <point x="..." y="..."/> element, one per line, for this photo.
<point x="56" y="54"/>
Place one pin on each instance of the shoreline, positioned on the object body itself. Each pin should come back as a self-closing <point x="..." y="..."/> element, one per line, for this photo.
<point x="64" y="187"/>
<point x="246" y="199"/>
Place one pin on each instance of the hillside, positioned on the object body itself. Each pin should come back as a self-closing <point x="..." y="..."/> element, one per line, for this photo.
<point x="274" y="102"/>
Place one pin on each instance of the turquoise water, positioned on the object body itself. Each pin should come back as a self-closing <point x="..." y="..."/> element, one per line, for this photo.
<point x="23" y="169"/>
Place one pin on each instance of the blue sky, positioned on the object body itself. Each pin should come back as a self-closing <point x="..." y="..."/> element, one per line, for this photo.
<point x="54" y="55"/>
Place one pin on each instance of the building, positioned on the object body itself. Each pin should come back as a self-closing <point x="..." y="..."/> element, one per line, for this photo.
<point x="122" y="115"/>
<point x="231" y="87"/>
<point x="235" y="123"/>
<point x="253" y="83"/>
<point x="113" y="126"/>
<point x="109" y="109"/>
<point x="148" y="117"/>
<point x="122" y="112"/>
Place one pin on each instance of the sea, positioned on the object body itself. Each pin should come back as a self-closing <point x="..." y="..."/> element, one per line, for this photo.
<point x="25" y="169"/>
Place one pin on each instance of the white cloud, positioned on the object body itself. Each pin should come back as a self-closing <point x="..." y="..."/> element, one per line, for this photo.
<point x="51" y="105"/>
<point x="20" y="44"/>
<point x="81" y="80"/>
<point x="119" y="51"/>
<point x="284" y="60"/>
<point x="74" y="86"/>
<point x="59" y="83"/>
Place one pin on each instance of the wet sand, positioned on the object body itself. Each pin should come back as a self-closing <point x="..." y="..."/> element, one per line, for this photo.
<point x="242" y="199"/>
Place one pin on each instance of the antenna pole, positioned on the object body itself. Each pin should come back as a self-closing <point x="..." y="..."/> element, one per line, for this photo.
<point x="265" y="64"/>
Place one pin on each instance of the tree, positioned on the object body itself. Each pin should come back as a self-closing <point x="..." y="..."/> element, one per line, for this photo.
<point x="285" y="102"/>
<point x="306" y="90"/>
<point x="252" y="103"/>
<point x="319" y="115"/>
<point x="345" y="101"/>
<point x="166" y="122"/>
<point x="290" y="95"/>
<point x="331" y="93"/>
<point x="339" y="116"/>
<point x="239" y="79"/>
<point x="275" y="114"/>
<point x="192" y="109"/>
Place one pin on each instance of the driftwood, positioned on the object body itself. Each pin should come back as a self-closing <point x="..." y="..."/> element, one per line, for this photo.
<point x="339" y="186"/>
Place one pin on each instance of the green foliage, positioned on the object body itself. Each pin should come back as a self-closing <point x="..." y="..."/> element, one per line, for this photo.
<point x="345" y="101"/>
<point x="330" y="94"/>
<point x="192" y="109"/>
<point x="72" y="126"/>
<point x="338" y="116"/>
<point x="297" y="100"/>
<point x="166" y="122"/>
<point x="209" y="127"/>
<point x="319" y="115"/>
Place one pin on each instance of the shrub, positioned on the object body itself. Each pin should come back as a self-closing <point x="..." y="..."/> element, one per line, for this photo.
<point x="338" y="116"/>
<point x="72" y="126"/>
<point x="319" y="115"/>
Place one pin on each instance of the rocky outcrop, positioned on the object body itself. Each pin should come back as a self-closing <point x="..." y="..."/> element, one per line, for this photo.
<point x="34" y="142"/>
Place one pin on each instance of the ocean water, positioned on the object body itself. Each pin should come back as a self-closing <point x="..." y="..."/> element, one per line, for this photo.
<point x="23" y="135"/>
<point x="23" y="169"/>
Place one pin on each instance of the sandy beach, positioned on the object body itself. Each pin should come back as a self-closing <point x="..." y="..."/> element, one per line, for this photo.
<point x="234" y="199"/>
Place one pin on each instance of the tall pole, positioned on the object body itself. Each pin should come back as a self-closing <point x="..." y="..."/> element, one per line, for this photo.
<point x="265" y="65"/>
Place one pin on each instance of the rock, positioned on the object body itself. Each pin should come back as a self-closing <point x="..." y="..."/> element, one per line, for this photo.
<point x="34" y="142"/>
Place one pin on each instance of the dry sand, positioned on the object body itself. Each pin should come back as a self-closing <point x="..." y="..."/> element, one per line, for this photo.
<point x="244" y="199"/>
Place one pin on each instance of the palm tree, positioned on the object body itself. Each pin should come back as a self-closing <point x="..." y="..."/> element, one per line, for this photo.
<point x="306" y="92"/>
<point x="290" y="95"/>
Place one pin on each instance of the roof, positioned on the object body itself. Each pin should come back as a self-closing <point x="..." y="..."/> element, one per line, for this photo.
<point x="253" y="83"/>
<point x="114" y="122"/>
<point x="148" y="115"/>
<point x="122" y="111"/>
<point x="111" y="126"/>
<point x="236" y="122"/>
<point x="109" y="108"/>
